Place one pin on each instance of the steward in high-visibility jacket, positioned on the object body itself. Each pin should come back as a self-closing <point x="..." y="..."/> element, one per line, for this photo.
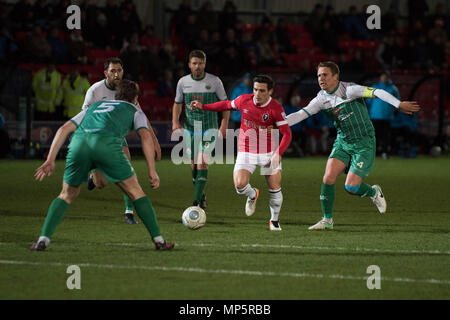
<point x="74" y="89"/>
<point x="47" y="89"/>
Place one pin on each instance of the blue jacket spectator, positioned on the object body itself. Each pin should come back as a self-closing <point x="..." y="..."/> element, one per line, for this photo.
<point x="381" y="113"/>
<point x="378" y="109"/>
<point x="243" y="88"/>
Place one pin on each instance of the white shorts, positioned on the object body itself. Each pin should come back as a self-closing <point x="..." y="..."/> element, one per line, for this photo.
<point x="249" y="161"/>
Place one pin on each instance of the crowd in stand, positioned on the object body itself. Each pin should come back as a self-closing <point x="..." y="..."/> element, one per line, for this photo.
<point x="36" y="32"/>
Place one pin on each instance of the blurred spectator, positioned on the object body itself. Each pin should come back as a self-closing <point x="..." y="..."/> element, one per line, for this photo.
<point x="420" y="53"/>
<point x="180" y="17"/>
<point x="351" y="63"/>
<point x="249" y="50"/>
<point x="166" y="55"/>
<point x="282" y="35"/>
<point x="417" y="10"/>
<point x="46" y="85"/>
<point x="327" y="38"/>
<point x="22" y="14"/>
<point x="230" y="39"/>
<point x="355" y="24"/>
<point x="298" y="132"/>
<point x="133" y="60"/>
<point x="149" y="39"/>
<point x="8" y="46"/>
<point x="101" y="35"/>
<point x="317" y="130"/>
<point x="41" y="12"/>
<point x="382" y="113"/>
<point x="111" y="10"/>
<point x="314" y="22"/>
<point x="153" y="64"/>
<point x="437" y="52"/>
<point x="207" y="18"/>
<point x="74" y="89"/>
<point x="335" y="21"/>
<point x="228" y="17"/>
<point x="130" y="7"/>
<point x="438" y="30"/>
<point x="190" y="31"/>
<point x="231" y="62"/>
<point x="59" y="47"/>
<point x="167" y="85"/>
<point x="203" y="41"/>
<point x="385" y="51"/>
<point x="404" y="135"/>
<point x="36" y="47"/>
<point x="77" y="47"/>
<point x="5" y="147"/>
<point x="244" y="87"/>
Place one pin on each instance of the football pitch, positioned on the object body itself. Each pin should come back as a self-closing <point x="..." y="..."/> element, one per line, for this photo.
<point x="233" y="256"/>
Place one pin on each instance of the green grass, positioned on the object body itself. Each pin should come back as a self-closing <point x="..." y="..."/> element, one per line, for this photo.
<point x="233" y="256"/>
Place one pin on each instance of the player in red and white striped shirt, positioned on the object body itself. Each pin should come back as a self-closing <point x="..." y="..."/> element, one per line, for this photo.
<point x="261" y="116"/>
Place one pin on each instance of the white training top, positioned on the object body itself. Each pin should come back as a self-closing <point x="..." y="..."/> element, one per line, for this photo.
<point x="98" y="91"/>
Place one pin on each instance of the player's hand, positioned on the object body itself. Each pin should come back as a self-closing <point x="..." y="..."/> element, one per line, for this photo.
<point x="176" y="125"/>
<point x="154" y="179"/>
<point x="275" y="160"/>
<point x="195" y="104"/>
<point x="409" y="107"/>
<point x="222" y="131"/>
<point x="46" y="169"/>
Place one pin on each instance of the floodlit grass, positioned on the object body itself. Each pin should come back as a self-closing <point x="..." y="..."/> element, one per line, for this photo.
<point x="233" y="256"/>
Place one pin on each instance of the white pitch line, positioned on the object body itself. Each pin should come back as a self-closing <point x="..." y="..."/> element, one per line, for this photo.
<point x="260" y="245"/>
<point x="224" y="271"/>
<point x="276" y="246"/>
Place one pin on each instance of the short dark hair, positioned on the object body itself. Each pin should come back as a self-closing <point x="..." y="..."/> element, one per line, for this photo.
<point x="331" y="65"/>
<point x="197" y="54"/>
<point x="263" y="78"/>
<point x="113" y="60"/>
<point x="127" y="90"/>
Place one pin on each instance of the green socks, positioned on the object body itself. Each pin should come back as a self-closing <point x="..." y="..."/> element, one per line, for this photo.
<point x="147" y="214"/>
<point x="327" y="193"/>
<point x="128" y="204"/>
<point x="200" y="184"/>
<point x="55" y="214"/>
<point x="365" y="190"/>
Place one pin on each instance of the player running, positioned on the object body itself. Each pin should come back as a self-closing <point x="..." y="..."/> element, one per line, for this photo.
<point x="97" y="141"/>
<point x="106" y="90"/>
<point x="260" y="116"/>
<point x="354" y="148"/>
<point x="203" y="86"/>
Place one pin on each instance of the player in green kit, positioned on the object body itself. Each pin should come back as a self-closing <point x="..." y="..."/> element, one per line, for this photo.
<point x="98" y="133"/>
<point x="200" y="127"/>
<point x="354" y="147"/>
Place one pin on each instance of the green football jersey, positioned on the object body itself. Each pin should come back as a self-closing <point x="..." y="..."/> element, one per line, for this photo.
<point x="110" y="117"/>
<point x="208" y="89"/>
<point x="345" y="106"/>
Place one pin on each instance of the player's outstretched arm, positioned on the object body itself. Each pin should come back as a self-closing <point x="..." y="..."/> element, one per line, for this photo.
<point x="47" y="168"/>
<point x="149" y="151"/>
<point x="219" y="106"/>
<point x="155" y="142"/>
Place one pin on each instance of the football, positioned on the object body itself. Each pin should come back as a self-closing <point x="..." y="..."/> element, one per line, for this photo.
<point x="194" y="218"/>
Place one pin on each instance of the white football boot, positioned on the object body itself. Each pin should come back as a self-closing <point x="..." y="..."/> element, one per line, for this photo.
<point x="250" y="206"/>
<point x="274" y="226"/>
<point x="378" y="199"/>
<point x="324" y="224"/>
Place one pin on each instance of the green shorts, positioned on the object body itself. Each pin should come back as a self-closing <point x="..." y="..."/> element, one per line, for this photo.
<point x="199" y="142"/>
<point x="88" y="151"/>
<point x="359" y="157"/>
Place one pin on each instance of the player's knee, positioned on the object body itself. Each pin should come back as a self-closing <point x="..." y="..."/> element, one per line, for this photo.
<point x="351" y="189"/>
<point x="329" y="179"/>
<point x="68" y="195"/>
<point x="240" y="188"/>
